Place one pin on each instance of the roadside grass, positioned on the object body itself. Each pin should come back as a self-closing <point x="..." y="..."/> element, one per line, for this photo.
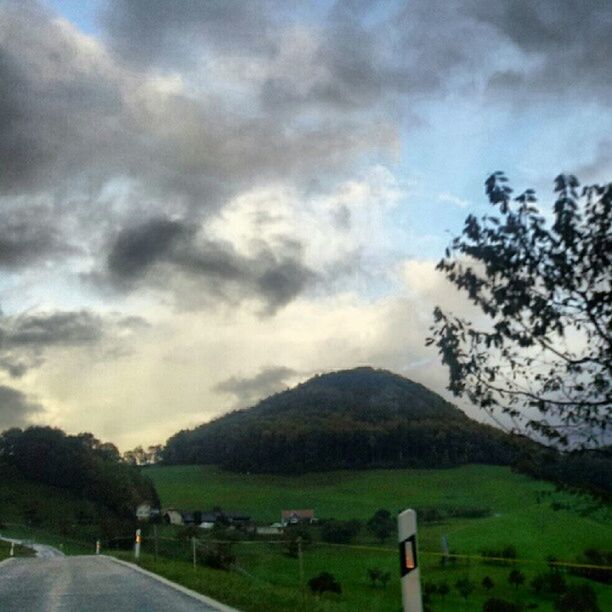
<point x="18" y="551"/>
<point x="266" y="579"/>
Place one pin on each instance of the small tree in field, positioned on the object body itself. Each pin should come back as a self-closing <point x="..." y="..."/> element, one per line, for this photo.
<point x="516" y="578"/>
<point x="382" y="524"/>
<point x="464" y="587"/>
<point x="487" y="583"/>
<point x="541" y="351"/>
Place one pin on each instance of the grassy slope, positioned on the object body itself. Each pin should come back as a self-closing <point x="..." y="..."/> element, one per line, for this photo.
<point x="535" y="529"/>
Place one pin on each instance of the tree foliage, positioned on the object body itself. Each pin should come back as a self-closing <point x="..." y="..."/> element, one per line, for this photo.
<point x="540" y="350"/>
<point x="82" y="464"/>
<point x="355" y="419"/>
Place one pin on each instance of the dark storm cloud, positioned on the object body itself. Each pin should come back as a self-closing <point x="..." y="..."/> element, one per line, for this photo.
<point x="29" y="235"/>
<point x="248" y="390"/>
<point x="570" y="41"/>
<point x="15" y="408"/>
<point x="156" y="31"/>
<point x="25" y="338"/>
<point x="161" y="251"/>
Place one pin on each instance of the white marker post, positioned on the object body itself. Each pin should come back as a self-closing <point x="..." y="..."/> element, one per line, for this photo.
<point x="409" y="563"/>
<point x="137" y="545"/>
<point x="12" y="553"/>
<point x="97" y="547"/>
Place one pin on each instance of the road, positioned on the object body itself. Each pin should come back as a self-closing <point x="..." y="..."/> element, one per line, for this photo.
<point x="42" y="550"/>
<point x="87" y="584"/>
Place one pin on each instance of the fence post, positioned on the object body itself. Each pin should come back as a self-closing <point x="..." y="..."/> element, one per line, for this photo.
<point x="301" y="564"/>
<point x="193" y="549"/>
<point x="155" y="542"/>
<point x="137" y="545"/>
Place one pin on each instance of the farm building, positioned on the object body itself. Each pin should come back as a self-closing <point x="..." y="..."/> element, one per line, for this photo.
<point x="293" y="517"/>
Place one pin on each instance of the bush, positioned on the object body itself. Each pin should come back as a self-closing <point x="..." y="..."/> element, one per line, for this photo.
<point x="324" y="582"/>
<point x="378" y="577"/>
<point x="294" y="537"/>
<point x="340" y="532"/>
<point x="500" y="605"/>
<point x="578" y="598"/>
<point x="382" y="524"/>
<point x="219" y="556"/>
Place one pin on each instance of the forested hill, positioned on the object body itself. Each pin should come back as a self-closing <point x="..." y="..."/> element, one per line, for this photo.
<point x="360" y="418"/>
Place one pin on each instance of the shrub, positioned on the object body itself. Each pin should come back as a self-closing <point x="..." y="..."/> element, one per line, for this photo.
<point x="219" y="556"/>
<point x="577" y="598"/>
<point x="378" y="577"/>
<point x="324" y="582"/>
<point x="340" y="532"/>
<point x="500" y="605"/>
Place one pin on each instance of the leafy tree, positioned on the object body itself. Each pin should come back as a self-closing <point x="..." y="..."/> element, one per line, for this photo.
<point x="443" y="589"/>
<point x="378" y="576"/>
<point x="382" y="524"/>
<point x="578" y="598"/>
<point x="500" y="605"/>
<point x="339" y="532"/>
<point x="487" y="583"/>
<point x="516" y="578"/>
<point x="542" y="352"/>
<point x="324" y="582"/>
<point x="464" y="587"/>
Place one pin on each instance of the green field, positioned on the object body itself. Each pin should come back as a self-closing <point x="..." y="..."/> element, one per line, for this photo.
<point x="523" y="514"/>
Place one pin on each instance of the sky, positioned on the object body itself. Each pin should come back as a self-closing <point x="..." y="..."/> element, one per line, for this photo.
<point x="206" y="202"/>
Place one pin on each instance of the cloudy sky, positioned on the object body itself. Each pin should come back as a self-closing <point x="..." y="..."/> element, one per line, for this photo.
<point x="205" y="201"/>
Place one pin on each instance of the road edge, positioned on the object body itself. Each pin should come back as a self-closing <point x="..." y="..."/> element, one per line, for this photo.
<point x="179" y="587"/>
<point x="6" y="561"/>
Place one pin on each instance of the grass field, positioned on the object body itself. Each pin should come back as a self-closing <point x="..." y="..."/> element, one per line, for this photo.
<point x="522" y="515"/>
<point x="516" y="518"/>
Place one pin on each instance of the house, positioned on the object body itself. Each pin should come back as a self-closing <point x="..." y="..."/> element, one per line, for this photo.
<point x="143" y="512"/>
<point x="293" y="517"/>
<point x="274" y="529"/>
<point x="229" y="519"/>
<point x="172" y="516"/>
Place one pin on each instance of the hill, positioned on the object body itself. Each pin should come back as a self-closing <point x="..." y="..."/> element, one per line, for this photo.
<point x="70" y="484"/>
<point x="352" y="419"/>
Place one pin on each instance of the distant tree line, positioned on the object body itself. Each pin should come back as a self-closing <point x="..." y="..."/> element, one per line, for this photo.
<point x="81" y="464"/>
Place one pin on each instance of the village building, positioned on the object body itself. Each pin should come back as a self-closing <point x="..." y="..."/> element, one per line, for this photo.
<point x="294" y="517"/>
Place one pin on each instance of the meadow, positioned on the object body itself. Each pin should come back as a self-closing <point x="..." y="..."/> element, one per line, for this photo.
<point x="530" y="515"/>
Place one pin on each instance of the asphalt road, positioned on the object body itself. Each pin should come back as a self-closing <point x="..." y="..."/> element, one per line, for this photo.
<point x="86" y="584"/>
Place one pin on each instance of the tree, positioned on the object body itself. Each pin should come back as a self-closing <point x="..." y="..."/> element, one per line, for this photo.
<point x="516" y="578"/>
<point x="324" y="582"/>
<point x="578" y="598"/>
<point x="381" y="524"/>
<point x="500" y="605"/>
<point x="465" y="587"/>
<point x="541" y="350"/>
<point x="487" y="583"/>
<point x="339" y="532"/>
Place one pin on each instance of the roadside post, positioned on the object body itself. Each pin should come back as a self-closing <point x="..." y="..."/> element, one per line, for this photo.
<point x="410" y="574"/>
<point x="193" y="551"/>
<point x="137" y="544"/>
<point x="12" y="552"/>
<point x="97" y="547"/>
